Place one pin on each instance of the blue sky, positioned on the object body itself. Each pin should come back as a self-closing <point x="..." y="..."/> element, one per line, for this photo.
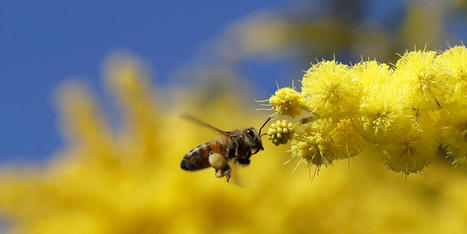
<point x="43" y="43"/>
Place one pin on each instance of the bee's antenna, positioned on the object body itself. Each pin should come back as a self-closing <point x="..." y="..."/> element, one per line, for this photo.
<point x="263" y="126"/>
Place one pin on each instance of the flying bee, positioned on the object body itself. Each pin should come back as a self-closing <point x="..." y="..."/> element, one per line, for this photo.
<point x="235" y="146"/>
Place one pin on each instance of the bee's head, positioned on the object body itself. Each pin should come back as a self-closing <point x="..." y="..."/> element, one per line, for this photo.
<point x="254" y="138"/>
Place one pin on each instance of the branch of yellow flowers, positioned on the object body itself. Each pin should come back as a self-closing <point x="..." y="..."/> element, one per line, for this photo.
<point x="409" y="113"/>
<point x="126" y="179"/>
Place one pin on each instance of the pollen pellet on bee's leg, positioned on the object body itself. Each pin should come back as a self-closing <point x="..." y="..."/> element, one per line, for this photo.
<point x="217" y="161"/>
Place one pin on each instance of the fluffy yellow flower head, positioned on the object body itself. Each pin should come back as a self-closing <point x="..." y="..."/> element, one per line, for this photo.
<point x="422" y="79"/>
<point x="456" y="59"/>
<point x="348" y="141"/>
<point x="323" y="141"/>
<point x="455" y="62"/>
<point x="313" y="143"/>
<point x="381" y="106"/>
<point x="330" y="90"/>
<point x="454" y="134"/>
<point x="371" y="75"/>
<point x="411" y="152"/>
<point x="383" y="114"/>
<point x="287" y="101"/>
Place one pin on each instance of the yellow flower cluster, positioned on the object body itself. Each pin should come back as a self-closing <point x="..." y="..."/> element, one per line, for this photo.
<point x="128" y="179"/>
<point x="399" y="111"/>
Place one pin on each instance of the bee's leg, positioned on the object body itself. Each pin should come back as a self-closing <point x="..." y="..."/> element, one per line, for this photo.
<point x="232" y="153"/>
<point x="227" y="171"/>
<point x="244" y="161"/>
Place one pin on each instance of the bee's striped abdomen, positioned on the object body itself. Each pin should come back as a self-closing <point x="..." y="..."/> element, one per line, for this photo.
<point x="198" y="158"/>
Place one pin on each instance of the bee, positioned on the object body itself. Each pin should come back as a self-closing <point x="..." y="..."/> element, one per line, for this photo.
<point x="235" y="146"/>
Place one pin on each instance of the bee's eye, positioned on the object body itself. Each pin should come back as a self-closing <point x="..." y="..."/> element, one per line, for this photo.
<point x="250" y="133"/>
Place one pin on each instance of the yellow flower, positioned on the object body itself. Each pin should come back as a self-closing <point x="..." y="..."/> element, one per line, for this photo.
<point x="287" y="101"/>
<point x="384" y="114"/>
<point x="383" y="107"/>
<point x="313" y="143"/>
<point x="454" y="61"/>
<point x="371" y="75"/>
<point x="424" y="80"/>
<point x="330" y="90"/>
<point x="348" y="141"/>
<point x="323" y="141"/>
<point x="454" y="133"/>
<point x="411" y="152"/>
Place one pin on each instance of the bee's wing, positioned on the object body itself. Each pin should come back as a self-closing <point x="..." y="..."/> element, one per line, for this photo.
<point x="236" y="177"/>
<point x="197" y="121"/>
